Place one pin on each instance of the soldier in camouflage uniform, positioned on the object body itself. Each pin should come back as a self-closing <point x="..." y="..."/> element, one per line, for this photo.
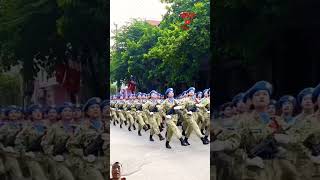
<point x="87" y="144"/>
<point x="170" y="105"/>
<point x="151" y="110"/>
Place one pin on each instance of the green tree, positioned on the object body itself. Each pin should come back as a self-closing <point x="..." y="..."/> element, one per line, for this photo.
<point x="10" y="90"/>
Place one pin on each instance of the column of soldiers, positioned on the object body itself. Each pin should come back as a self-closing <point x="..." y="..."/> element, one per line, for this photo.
<point x="68" y="142"/>
<point x="158" y="114"/>
<point x="258" y="138"/>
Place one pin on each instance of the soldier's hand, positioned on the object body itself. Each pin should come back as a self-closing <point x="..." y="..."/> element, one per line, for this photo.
<point x="315" y="159"/>
<point x="256" y="161"/>
<point x="217" y="145"/>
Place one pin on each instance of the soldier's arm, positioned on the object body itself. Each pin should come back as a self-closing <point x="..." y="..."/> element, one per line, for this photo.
<point x="21" y="139"/>
<point x="75" y="142"/>
<point x="47" y="141"/>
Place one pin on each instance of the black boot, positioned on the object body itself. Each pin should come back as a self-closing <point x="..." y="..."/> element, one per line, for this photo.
<point x="168" y="145"/>
<point x="161" y="138"/>
<point x="151" y="139"/>
<point x="160" y="128"/>
<point x="183" y="133"/>
<point x="166" y="134"/>
<point x="134" y="127"/>
<point x="120" y="125"/>
<point x="183" y="143"/>
<point x="129" y="128"/>
<point x="125" y="123"/>
<point x="149" y="127"/>
<point x="117" y="122"/>
<point x="204" y="140"/>
<point x="186" y="141"/>
<point x="139" y="133"/>
<point x="145" y="128"/>
<point x="114" y="122"/>
<point x="202" y="132"/>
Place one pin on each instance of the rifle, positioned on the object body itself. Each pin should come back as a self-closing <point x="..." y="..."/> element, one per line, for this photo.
<point x="9" y="141"/>
<point x="266" y="149"/>
<point x="60" y="148"/>
<point x="172" y="111"/>
<point x="193" y="108"/>
<point x="315" y="148"/>
<point x="154" y="109"/>
<point x="35" y="146"/>
<point x="94" y="147"/>
<point x="215" y="136"/>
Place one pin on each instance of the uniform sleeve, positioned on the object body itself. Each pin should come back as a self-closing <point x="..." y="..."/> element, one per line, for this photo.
<point x="47" y="141"/>
<point x="21" y="139"/>
<point x="74" y="143"/>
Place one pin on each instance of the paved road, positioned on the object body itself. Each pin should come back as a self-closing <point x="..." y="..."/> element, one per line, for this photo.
<point x="145" y="160"/>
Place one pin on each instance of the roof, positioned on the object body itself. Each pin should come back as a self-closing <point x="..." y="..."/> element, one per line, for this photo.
<point x="153" y="22"/>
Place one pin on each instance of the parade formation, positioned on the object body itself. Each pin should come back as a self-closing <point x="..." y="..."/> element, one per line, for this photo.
<point x="66" y="142"/>
<point x="160" y="114"/>
<point x="258" y="138"/>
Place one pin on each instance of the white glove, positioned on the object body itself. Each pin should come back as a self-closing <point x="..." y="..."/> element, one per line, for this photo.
<point x="30" y="154"/>
<point x="90" y="158"/>
<point x="218" y="145"/>
<point x="256" y="161"/>
<point x="104" y="136"/>
<point x="151" y="113"/>
<point x="199" y="105"/>
<point x="177" y="107"/>
<point x="315" y="159"/>
<point x="168" y="116"/>
<point x="58" y="158"/>
<point x="189" y="112"/>
<point x="282" y="138"/>
<point x="208" y="112"/>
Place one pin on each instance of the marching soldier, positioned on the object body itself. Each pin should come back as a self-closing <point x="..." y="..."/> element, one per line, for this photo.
<point x="170" y="105"/>
<point x="28" y="141"/>
<point x="54" y="144"/>
<point x="150" y="108"/>
<point x="139" y="114"/>
<point x="189" y="106"/>
<point x="87" y="144"/>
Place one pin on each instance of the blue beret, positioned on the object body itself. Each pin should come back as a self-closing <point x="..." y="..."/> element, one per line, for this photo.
<point x="104" y="104"/>
<point x="261" y="85"/>
<point x="237" y="98"/>
<point x="303" y="93"/>
<point x="191" y="89"/>
<point x="12" y="108"/>
<point x="91" y="101"/>
<point x="287" y="98"/>
<point x="169" y="90"/>
<point x="153" y="91"/>
<point x="78" y="106"/>
<point x="200" y="92"/>
<point x="33" y="108"/>
<point x="316" y="93"/>
<point x="139" y="94"/>
<point x="205" y="91"/>
<point x="65" y="105"/>
<point x="49" y="108"/>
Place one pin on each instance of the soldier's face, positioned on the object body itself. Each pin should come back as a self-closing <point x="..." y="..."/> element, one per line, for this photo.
<point x="170" y="94"/>
<point x="36" y="114"/>
<point x="199" y="95"/>
<point x="52" y="114"/>
<point x="66" y="113"/>
<point x="191" y="93"/>
<point x="261" y="98"/>
<point x="228" y="111"/>
<point x="12" y="116"/>
<point x="307" y="102"/>
<point x="77" y="114"/>
<point x="287" y="108"/>
<point x="241" y="107"/>
<point x="116" y="171"/>
<point x="94" y="111"/>
<point x="272" y="110"/>
<point x="153" y="96"/>
<point x="205" y="94"/>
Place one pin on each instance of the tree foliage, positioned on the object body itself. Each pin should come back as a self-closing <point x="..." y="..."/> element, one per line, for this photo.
<point x="42" y="28"/>
<point x="164" y="55"/>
